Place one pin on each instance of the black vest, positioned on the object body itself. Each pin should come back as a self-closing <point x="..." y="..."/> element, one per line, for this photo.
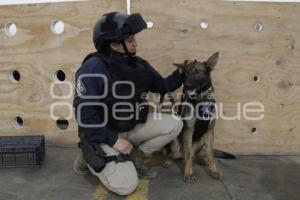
<point x="136" y="72"/>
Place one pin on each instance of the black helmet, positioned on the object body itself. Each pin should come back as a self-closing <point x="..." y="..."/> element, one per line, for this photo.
<point x="115" y="27"/>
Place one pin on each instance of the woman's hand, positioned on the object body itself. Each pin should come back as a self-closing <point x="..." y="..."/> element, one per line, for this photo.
<point x="123" y="146"/>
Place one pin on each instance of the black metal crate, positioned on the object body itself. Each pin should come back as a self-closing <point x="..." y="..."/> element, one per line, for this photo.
<point x="22" y="151"/>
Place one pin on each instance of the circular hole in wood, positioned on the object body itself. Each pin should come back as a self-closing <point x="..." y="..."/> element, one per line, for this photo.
<point x="253" y="131"/>
<point x="14" y="76"/>
<point x="57" y="27"/>
<point x="150" y="24"/>
<point x="256" y="78"/>
<point x="258" y="26"/>
<point x="59" y="75"/>
<point x="10" y="29"/>
<point x="62" y="123"/>
<point x="17" y="122"/>
<point x="281" y="105"/>
<point x="204" y="24"/>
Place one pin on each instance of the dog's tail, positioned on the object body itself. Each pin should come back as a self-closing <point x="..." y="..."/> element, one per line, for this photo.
<point x="223" y="154"/>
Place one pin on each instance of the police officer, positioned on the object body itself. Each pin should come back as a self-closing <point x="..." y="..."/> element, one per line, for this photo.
<point x="135" y="132"/>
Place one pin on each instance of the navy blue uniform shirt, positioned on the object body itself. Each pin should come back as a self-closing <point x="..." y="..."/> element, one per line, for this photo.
<point x="94" y="86"/>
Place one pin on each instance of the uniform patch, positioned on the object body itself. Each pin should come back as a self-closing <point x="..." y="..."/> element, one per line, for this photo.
<point x="80" y="88"/>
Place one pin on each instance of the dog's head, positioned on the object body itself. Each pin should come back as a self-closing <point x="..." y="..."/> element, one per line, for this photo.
<point x="197" y="77"/>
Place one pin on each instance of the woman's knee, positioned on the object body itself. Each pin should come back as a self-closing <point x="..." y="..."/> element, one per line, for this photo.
<point x="175" y="126"/>
<point x="126" y="189"/>
<point x="123" y="180"/>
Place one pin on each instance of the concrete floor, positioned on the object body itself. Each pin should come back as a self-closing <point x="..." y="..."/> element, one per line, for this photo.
<point x="248" y="177"/>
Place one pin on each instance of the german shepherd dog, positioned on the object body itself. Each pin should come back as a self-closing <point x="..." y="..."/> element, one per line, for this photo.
<point x="197" y="138"/>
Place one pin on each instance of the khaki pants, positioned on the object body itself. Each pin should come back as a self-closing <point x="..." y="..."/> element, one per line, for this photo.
<point x="121" y="177"/>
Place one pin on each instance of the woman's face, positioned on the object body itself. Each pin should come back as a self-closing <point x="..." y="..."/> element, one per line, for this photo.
<point x="130" y="42"/>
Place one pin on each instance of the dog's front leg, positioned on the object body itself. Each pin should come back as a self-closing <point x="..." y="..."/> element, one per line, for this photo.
<point x="213" y="170"/>
<point x="187" y="141"/>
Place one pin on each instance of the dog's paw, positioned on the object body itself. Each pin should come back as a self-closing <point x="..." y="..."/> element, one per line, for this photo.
<point x="216" y="175"/>
<point x="166" y="163"/>
<point x="191" y="178"/>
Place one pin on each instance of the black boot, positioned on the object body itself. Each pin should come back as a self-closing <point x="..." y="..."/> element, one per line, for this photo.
<point x="79" y="165"/>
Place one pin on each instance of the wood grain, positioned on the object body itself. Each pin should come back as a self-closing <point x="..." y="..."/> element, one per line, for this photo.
<point x="37" y="54"/>
<point x="272" y="55"/>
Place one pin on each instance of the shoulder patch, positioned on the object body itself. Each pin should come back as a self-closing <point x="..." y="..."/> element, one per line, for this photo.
<point x="80" y="88"/>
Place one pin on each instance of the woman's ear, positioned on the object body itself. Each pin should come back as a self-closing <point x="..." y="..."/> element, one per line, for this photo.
<point x="117" y="47"/>
<point x="113" y="46"/>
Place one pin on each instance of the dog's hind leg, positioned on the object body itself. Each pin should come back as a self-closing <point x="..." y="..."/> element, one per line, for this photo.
<point x="212" y="168"/>
<point x="171" y="152"/>
<point x="200" y="155"/>
<point x="167" y="162"/>
<point x="167" y="155"/>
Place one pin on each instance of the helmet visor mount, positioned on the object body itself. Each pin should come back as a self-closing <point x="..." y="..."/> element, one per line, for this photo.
<point x="132" y="25"/>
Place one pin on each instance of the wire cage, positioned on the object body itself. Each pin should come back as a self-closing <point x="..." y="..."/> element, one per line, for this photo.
<point x="22" y="151"/>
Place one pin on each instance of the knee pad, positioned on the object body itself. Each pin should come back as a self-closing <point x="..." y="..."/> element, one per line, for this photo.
<point x="126" y="190"/>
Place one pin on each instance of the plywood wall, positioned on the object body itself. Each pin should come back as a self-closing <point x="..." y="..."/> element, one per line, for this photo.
<point x="37" y="54"/>
<point x="271" y="55"/>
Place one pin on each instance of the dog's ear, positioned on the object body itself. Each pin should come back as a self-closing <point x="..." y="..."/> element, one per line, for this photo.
<point x="212" y="61"/>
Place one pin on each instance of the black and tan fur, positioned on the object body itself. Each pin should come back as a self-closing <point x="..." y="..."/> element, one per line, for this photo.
<point x="197" y="138"/>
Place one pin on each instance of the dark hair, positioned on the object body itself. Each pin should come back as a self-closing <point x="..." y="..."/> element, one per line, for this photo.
<point x="104" y="48"/>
